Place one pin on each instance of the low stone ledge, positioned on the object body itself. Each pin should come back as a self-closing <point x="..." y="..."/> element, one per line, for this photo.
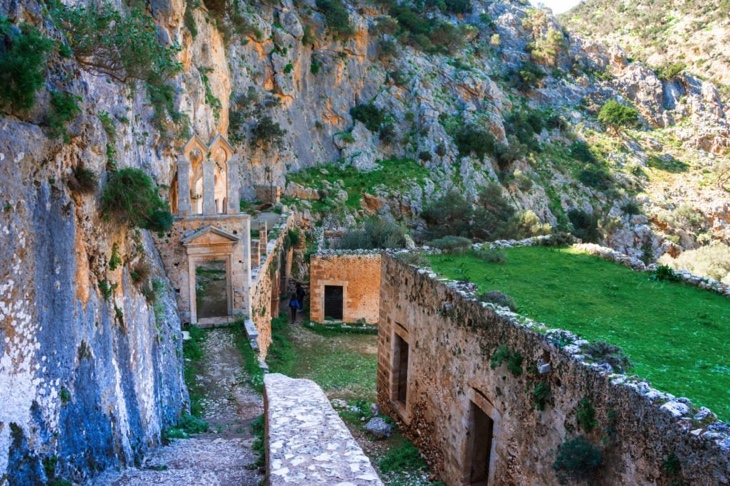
<point x="306" y="441"/>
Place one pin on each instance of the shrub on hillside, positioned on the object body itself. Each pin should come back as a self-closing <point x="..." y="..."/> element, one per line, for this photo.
<point x="337" y="18"/>
<point x="498" y="298"/>
<point x="448" y="215"/>
<point x="577" y="460"/>
<point x="580" y="150"/>
<point x="492" y="215"/>
<point x="370" y="115"/>
<point x="451" y="244"/>
<point x="376" y="233"/>
<point x="64" y="108"/>
<point x="131" y="197"/>
<point x="526" y="224"/>
<point x="585" y="225"/>
<point x="709" y="261"/>
<point x="22" y="64"/>
<point x="473" y="140"/>
<point x="267" y="133"/>
<point x="82" y="180"/>
<point x="529" y="76"/>
<point x="604" y="352"/>
<point x="101" y="40"/>
<point x="491" y="255"/>
<point x="616" y="116"/>
<point x="596" y="178"/>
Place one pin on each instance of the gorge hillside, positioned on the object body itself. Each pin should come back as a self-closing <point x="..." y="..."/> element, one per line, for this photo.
<point x="353" y="108"/>
<point x="668" y="35"/>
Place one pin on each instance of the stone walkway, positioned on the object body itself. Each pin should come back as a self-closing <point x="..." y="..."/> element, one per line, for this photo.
<point x="223" y="456"/>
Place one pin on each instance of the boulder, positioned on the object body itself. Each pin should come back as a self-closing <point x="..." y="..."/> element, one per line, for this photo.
<point x="379" y="428"/>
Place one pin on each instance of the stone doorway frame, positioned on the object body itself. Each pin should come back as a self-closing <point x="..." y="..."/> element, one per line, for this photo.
<point x="478" y="399"/>
<point x="222" y="249"/>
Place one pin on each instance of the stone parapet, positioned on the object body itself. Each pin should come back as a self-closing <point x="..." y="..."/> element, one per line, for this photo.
<point x="306" y="441"/>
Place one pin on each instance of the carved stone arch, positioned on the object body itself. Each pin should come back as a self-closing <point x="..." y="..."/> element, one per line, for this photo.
<point x="220" y="144"/>
<point x="195" y="144"/>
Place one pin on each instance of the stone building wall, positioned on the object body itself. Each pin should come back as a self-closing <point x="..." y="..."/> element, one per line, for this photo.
<point x="265" y="280"/>
<point x="175" y="257"/>
<point x="358" y="274"/>
<point x="449" y="383"/>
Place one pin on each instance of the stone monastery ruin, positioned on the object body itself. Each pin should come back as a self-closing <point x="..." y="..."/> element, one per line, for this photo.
<point x="178" y="180"/>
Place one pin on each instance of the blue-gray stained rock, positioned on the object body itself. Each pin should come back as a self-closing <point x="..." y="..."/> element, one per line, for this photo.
<point x="379" y="428"/>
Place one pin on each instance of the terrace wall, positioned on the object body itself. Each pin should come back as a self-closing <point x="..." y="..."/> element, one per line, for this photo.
<point x="358" y="274"/>
<point x="451" y="339"/>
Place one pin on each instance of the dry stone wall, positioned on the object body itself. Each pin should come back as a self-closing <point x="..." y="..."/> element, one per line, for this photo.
<point x="450" y="342"/>
<point x="265" y="278"/>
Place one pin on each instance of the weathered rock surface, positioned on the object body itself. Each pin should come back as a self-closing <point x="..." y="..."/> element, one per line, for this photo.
<point x="379" y="428"/>
<point x="307" y="441"/>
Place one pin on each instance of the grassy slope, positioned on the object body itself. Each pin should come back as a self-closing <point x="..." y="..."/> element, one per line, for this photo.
<point x="676" y="335"/>
<point x="395" y="177"/>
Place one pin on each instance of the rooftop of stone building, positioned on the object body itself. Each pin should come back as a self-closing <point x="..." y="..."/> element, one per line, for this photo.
<point x="675" y="334"/>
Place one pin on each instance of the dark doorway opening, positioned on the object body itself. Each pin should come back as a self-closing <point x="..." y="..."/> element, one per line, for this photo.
<point x="211" y="289"/>
<point x="333" y="302"/>
<point x="481" y="431"/>
<point x="401" y="374"/>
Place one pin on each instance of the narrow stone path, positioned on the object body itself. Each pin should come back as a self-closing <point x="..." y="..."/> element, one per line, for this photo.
<point x="223" y="455"/>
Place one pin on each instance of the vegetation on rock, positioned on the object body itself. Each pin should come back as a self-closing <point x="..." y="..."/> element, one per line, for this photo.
<point x="23" y="52"/>
<point x="131" y="197"/>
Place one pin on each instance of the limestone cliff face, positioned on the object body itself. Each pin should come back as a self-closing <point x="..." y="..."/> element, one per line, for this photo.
<point x="91" y="369"/>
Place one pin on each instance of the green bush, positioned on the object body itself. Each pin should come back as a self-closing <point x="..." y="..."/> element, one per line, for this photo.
<point x="631" y="208"/>
<point x="22" y="64"/>
<point x="472" y="140"/>
<point x="64" y="108"/>
<point x="514" y="360"/>
<point x="558" y="240"/>
<point x="370" y="115"/>
<point x="131" y="197"/>
<point x="492" y="215"/>
<point x="82" y="181"/>
<point x="672" y="465"/>
<point x="526" y="224"/>
<point x="664" y="273"/>
<point x="577" y="460"/>
<point x="495" y="297"/>
<point x="671" y="70"/>
<point x="529" y="75"/>
<point x="585" y="225"/>
<point x="448" y="215"/>
<point x="451" y="244"/>
<point x="585" y="415"/>
<point x="187" y="425"/>
<point x="376" y="233"/>
<point x="491" y="255"/>
<point x="267" y="133"/>
<point x="604" y="352"/>
<point x="616" y="116"/>
<point x="123" y="47"/>
<point x="337" y="18"/>
<point x="597" y="178"/>
<point x="541" y="394"/>
<point x="580" y="150"/>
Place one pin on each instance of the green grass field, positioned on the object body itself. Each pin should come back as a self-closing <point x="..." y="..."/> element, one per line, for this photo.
<point x="677" y="336"/>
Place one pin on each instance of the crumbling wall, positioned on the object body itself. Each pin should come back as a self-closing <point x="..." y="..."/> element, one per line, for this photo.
<point x="357" y="273"/>
<point x="451" y="341"/>
<point x="265" y="284"/>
